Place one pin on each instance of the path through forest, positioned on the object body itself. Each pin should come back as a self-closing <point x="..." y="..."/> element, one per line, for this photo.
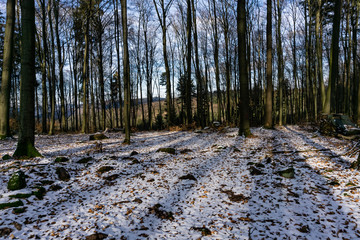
<point x="217" y="186"/>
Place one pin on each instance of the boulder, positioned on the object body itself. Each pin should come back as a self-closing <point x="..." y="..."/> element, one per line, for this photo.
<point x="98" y="136"/>
<point x="4" y="232"/>
<point x="61" y="159"/>
<point x="166" y="150"/>
<point x="287" y="173"/>
<point x="333" y="124"/>
<point x="63" y="174"/>
<point x="96" y="236"/>
<point x="104" y="169"/>
<point x="17" y="181"/>
<point x="18" y="203"/>
<point x="6" y="157"/>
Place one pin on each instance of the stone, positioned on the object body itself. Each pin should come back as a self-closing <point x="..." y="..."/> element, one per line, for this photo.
<point x="17" y="225"/>
<point x="63" y="174"/>
<point x="97" y="236"/>
<point x="55" y="187"/>
<point x="4" y="232"/>
<point x="6" y="157"/>
<point x="21" y="195"/>
<point x="17" y="181"/>
<point x="104" y="169"/>
<point x="287" y="173"/>
<point x="61" y="159"/>
<point x="254" y="171"/>
<point x="166" y="150"/>
<point x="204" y="231"/>
<point x="39" y="192"/>
<point x="188" y="177"/>
<point x="11" y="204"/>
<point x="85" y="160"/>
<point x="19" y="210"/>
<point x="161" y="213"/>
<point x="98" y="136"/>
<point x="133" y="153"/>
<point x="112" y="177"/>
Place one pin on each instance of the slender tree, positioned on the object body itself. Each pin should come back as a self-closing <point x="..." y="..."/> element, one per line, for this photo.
<point x="7" y="70"/>
<point x="126" y="65"/>
<point x="25" y="146"/>
<point x="269" y="86"/>
<point x="244" y="83"/>
<point x="334" y="57"/>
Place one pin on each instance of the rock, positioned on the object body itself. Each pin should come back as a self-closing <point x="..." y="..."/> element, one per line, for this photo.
<point x="98" y="136"/>
<point x="21" y="195"/>
<point x="304" y="229"/>
<point x="55" y="187"/>
<point x="17" y="225"/>
<point x="188" y="177"/>
<point x="216" y="124"/>
<point x="235" y="197"/>
<point x="287" y="173"/>
<point x="254" y="171"/>
<point x="18" y="210"/>
<point x="17" y="181"/>
<point x="198" y="131"/>
<point x="204" y="231"/>
<point x="6" y="157"/>
<point x="104" y="169"/>
<point x="356" y="164"/>
<point x="63" y="175"/>
<point x="161" y="213"/>
<point x="85" y="160"/>
<point x="4" y="232"/>
<point x="259" y="165"/>
<point x="112" y="177"/>
<point x="97" y="236"/>
<point x="133" y="153"/>
<point x="333" y="124"/>
<point x="61" y="159"/>
<point x="18" y="203"/>
<point x="138" y="200"/>
<point x="268" y="160"/>
<point x="166" y="150"/>
<point x="186" y="150"/>
<point x="40" y="193"/>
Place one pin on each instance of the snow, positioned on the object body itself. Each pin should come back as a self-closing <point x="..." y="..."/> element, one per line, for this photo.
<point x="265" y="206"/>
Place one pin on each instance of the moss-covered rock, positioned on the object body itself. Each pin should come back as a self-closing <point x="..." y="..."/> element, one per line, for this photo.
<point x="167" y="150"/>
<point x="96" y="236"/>
<point x="63" y="175"/>
<point x="21" y="195"/>
<point x="254" y="171"/>
<point x="287" y="173"/>
<point x="11" y="204"/>
<point x="5" y="232"/>
<point x="104" y="169"/>
<point x="19" y="210"/>
<point x="85" y="160"/>
<point x="61" y="159"/>
<point x="98" y="136"/>
<point x="6" y="157"/>
<point x="39" y="192"/>
<point x="17" y="181"/>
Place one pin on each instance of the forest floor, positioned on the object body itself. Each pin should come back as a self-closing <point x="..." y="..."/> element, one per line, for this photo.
<point x="217" y="185"/>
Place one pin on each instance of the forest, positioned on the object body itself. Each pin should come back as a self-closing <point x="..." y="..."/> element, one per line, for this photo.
<point x="179" y="119"/>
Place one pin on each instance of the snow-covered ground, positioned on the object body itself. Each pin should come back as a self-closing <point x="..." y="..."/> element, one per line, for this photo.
<point x="204" y="191"/>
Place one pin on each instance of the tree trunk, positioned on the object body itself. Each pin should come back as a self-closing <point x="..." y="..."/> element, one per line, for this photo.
<point x="7" y="70"/>
<point x="52" y="76"/>
<point x="280" y="63"/>
<point x="25" y="146"/>
<point x="244" y="82"/>
<point x="269" y="87"/>
<point x="188" y="61"/>
<point x="126" y="65"/>
<point x="334" y="57"/>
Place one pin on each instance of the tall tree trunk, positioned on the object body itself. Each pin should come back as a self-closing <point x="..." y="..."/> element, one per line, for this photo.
<point x="280" y="63"/>
<point x="269" y="86"/>
<point x="25" y="146"/>
<point x="199" y="83"/>
<point x="85" y="74"/>
<point x="188" y="61"/>
<point x="126" y="65"/>
<point x="334" y="57"/>
<point x="53" y="76"/>
<point x="43" y="69"/>
<point x="319" y="64"/>
<point x="7" y="70"/>
<point x="216" y="60"/>
<point x="61" y="66"/>
<point x="356" y="80"/>
<point x="244" y="82"/>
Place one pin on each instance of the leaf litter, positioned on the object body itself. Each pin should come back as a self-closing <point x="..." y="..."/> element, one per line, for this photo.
<point x="220" y="186"/>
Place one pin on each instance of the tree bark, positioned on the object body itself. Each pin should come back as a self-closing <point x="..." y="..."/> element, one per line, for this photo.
<point x="334" y="57"/>
<point x="244" y="82"/>
<point x="25" y="146"/>
<point x="269" y="86"/>
<point x="7" y="70"/>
